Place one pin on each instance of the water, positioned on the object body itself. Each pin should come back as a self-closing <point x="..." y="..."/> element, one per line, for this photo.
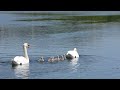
<point x="95" y="34"/>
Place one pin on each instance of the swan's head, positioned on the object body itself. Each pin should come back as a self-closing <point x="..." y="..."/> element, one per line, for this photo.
<point x="26" y="45"/>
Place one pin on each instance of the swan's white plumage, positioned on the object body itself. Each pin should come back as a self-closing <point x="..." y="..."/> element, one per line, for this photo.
<point x="22" y="59"/>
<point x="73" y="53"/>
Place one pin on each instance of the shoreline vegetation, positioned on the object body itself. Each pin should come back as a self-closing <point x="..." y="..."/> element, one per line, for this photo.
<point x="83" y="19"/>
<point x="82" y="16"/>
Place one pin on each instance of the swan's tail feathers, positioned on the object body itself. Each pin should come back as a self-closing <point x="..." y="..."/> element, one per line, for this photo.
<point x="75" y="49"/>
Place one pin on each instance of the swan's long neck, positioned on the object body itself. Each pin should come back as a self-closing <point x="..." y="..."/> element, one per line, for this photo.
<point x="25" y="52"/>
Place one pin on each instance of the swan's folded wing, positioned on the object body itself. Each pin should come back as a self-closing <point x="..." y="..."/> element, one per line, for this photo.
<point x="17" y="58"/>
<point x="73" y="53"/>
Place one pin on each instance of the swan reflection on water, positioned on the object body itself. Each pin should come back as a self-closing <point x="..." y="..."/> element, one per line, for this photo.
<point x="74" y="64"/>
<point x="21" y="71"/>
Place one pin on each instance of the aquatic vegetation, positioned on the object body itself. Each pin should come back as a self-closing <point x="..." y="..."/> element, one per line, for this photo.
<point x="83" y="19"/>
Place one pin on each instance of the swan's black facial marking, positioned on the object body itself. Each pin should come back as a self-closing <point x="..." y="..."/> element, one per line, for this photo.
<point x="69" y="56"/>
<point x="28" y="45"/>
<point x="20" y="63"/>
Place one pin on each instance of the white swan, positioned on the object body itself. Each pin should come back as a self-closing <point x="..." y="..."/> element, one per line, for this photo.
<point x="19" y="60"/>
<point x="72" y="54"/>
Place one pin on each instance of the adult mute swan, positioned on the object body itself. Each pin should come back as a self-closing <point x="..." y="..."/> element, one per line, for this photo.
<point x="19" y="60"/>
<point x="72" y="54"/>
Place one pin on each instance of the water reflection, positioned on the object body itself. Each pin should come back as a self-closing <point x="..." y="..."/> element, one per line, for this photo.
<point x="74" y="64"/>
<point x="21" y="71"/>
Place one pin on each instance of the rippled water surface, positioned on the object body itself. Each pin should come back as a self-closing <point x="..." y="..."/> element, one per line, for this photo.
<point x="95" y="34"/>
